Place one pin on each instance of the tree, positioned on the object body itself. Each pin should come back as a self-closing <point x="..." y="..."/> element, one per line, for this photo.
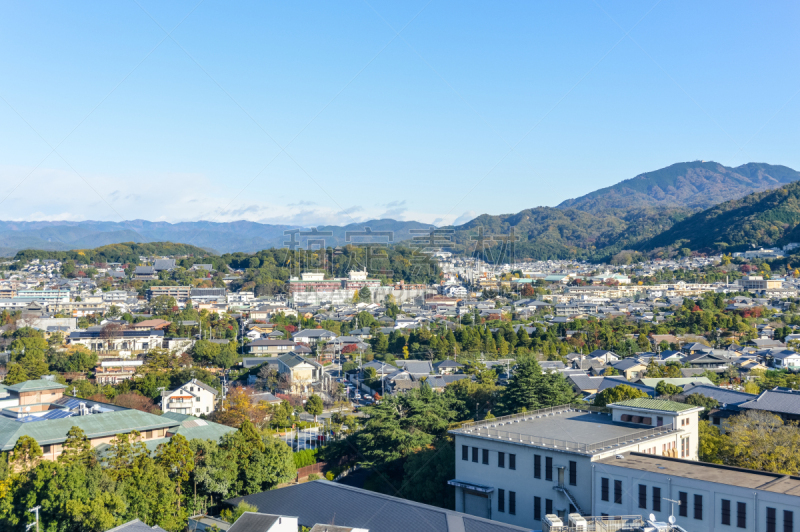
<point x="712" y="446"/>
<point x="26" y="454"/>
<point x="314" y="405"/>
<point x="233" y="515"/>
<point x="530" y="389"/>
<point x="623" y="392"/>
<point x="16" y="374"/>
<point x="666" y="388"/>
<point x="760" y="440"/>
<point x="698" y="399"/>
<point x="364" y="295"/>
<point x="77" y="448"/>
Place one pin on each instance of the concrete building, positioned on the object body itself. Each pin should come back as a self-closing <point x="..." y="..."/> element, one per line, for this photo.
<point x="516" y="469"/>
<point x="180" y="293"/>
<point x="712" y="497"/>
<point x="756" y="283"/>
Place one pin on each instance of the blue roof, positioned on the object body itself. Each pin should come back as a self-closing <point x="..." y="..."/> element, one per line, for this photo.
<point x="52" y="414"/>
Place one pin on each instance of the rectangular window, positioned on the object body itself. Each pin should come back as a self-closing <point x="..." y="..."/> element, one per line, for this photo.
<point x="683" y="507"/>
<point x="501" y="459"/>
<point x="659" y="421"/>
<point x="571" y="509"/>
<point x="698" y="507"/>
<point x="617" y="492"/>
<point x="573" y="473"/>
<point x="716" y="420"/>
<point x="475" y="454"/>
<point x="537" y="508"/>
<point x="512" y="502"/>
<point x="604" y="489"/>
<point x="486" y="456"/>
<point x="726" y="512"/>
<point x="772" y="520"/>
<point x="656" y="499"/>
<point x="741" y="515"/>
<point x="537" y="466"/>
<point x="548" y="506"/>
<point x="788" y="521"/>
<point x="46" y="449"/>
<point x="501" y="500"/>
<point x="642" y="496"/>
<point x="512" y="461"/>
<point x="548" y="468"/>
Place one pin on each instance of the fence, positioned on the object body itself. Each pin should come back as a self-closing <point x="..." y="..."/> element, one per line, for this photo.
<point x="317" y="468"/>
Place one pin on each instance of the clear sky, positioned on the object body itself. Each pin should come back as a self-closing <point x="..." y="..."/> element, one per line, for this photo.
<point x="333" y="112"/>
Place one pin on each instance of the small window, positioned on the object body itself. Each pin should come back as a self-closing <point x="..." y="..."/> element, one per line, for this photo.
<point x="573" y="473"/>
<point x="788" y="521"/>
<point x="683" y="507"/>
<point x="512" y="502"/>
<point x="642" y="496"/>
<point x="698" y="507"/>
<point x="659" y="421"/>
<point x="512" y="461"/>
<point x="741" y="515"/>
<point x="465" y="452"/>
<point x="617" y="492"/>
<point x="501" y="459"/>
<point x="656" y="499"/>
<point x="548" y="468"/>
<point x="548" y="506"/>
<point x="537" y="508"/>
<point x="486" y="456"/>
<point x="772" y="520"/>
<point x="537" y="466"/>
<point x="501" y="500"/>
<point x="475" y="454"/>
<point x="726" y="512"/>
<point x="604" y="489"/>
<point x="716" y="420"/>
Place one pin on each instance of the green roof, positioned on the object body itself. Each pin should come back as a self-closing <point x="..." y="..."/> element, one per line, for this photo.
<point x="35" y="385"/>
<point x="192" y="427"/>
<point x="655" y="404"/>
<point x="51" y="431"/>
<point x="677" y="381"/>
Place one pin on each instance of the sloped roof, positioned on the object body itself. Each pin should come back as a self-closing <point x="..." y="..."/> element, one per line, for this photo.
<point x="721" y="395"/>
<point x="655" y="404"/>
<point x="777" y="401"/>
<point x="35" y="386"/>
<point x="366" y="509"/>
<point x="136" y="526"/>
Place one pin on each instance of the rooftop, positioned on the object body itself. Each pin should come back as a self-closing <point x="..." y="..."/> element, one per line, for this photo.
<point x="587" y="430"/>
<point x="35" y="385"/>
<point x="731" y="476"/>
<point x="655" y="404"/>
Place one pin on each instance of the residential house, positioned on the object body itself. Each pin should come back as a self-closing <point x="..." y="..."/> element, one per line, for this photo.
<point x="604" y="356"/>
<point x="784" y="359"/>
<point x="448" y="367"/>
<point x="194" y="398"/>
<point x="631" y="368"/>
<point x="300" y="373"/>
<point x="312" y="336"/>
<point x="708" y="361"/>
<point x="782" y="402"/>
<point x="263" y="346"/>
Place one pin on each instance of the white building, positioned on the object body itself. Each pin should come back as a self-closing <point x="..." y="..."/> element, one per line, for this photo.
<point x="517" y="469"/>
<point x="193" y="398"/>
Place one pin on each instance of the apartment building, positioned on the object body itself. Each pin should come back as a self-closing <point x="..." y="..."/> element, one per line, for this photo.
<point x="517" y="469"/>
<point x="710" y="497"/>
<point x="180" y="293"/>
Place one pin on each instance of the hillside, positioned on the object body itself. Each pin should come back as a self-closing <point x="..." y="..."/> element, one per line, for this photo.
<point x="127" y="252"/>
<point x="694" y="185"/>
<point x="761" y="219"/>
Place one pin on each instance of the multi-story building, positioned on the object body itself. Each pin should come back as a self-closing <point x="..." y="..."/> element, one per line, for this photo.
<point x="757" y="283"/>
<point x="710" y="496"/>
<point x="264" y="346"/>
<point x="113" y="342"/>
<point x="49" y="296"/>
<point x="516" y="469"/>
<point x="193" y="398"/>
<point x="180" y="293"/>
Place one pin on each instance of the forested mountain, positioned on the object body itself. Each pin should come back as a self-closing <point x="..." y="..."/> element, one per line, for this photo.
<point x="223" y="237"/>
<point x="761" y="219"/>
<point x="694" y="185"/>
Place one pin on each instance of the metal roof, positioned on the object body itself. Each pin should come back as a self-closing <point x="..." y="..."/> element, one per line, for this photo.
<point x="655" y="404"/>
<point x="35" y="386"/>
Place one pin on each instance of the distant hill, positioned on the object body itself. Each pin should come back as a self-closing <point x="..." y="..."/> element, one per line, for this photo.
<point x="761" y="219"/>
<point x="126" y="252"/>
<point x="695" y="185"/>
<point x="222" y="237"/>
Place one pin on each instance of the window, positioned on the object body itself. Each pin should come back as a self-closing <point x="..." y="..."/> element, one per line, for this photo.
<point x="501" y="500"/>
<point x="537" y="508"/>
<point x="486" y="456"/>
<point x="548" y="506"/>
<point x="688" y="421"/>
<point x="642" y="496"/>
<point x="571" y="509"/>
<point x="617" y="492"/>
<point x="788" y="521"/>
<point x="501" y="459"/>
<point x="197" y="410"/>
<point x="548" y="468"/>
<point x="716" y="420"/>
<point x="475" y="454"/>
<point x="683" y="507"/>
<point x="772" y="520"/>
<point x="698" y="507"/>
<point x="512" y="502"/>
<point x="573" y="473"/>
<point x="512" y="461"/>
<point x="46" y="449"/>
<point x="537" y="466"/>
<point x="656" y="499"/>
<point x="603" y="489"/>
<point x="659" y="421"/>
<point x="741" y="515"/>
<point x="197" y="399"/>
<point x="726" y="512"/>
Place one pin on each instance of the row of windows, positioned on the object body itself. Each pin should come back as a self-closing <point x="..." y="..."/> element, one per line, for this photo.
<point x="537" y="507"/>
<point x="484" y="457"/>
<point x="697" y="506"/>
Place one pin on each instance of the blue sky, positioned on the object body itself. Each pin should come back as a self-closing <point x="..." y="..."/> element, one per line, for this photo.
<point x="320" y="112"/>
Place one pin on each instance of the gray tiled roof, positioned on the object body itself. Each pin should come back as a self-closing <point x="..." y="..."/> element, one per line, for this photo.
<point x="136" y="526"/>
<point x="254" y="522"/>
<point x="777" y="401"/>
<point x="365" y="509"/>
<point x="721" y="395"/>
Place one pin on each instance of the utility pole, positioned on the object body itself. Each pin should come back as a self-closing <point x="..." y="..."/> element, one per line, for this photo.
<point x="34" y="509"/>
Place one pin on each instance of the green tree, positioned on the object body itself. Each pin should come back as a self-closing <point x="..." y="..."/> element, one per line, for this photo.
<point x="623" y="392"/>
<point x="364" y="295"/>
<point x="666" y="388"/>
<point x="76" y="448"/>
<point x="314" y="405"/>
<point x="26" y="453"/>
<point x="530" y="389"/>
<point x="232" y="515"/>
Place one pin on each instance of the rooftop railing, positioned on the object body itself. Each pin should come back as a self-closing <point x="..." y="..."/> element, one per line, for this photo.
<point x="491" y="429"/>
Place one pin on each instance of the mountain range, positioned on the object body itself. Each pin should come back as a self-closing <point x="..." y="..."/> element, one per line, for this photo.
<point x="645" y="212"/>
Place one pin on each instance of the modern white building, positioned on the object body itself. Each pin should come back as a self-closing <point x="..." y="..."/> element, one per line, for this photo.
<point x="711" y="497"/>
<point x="517" y="469"/>
<point x="193" y="398"/>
